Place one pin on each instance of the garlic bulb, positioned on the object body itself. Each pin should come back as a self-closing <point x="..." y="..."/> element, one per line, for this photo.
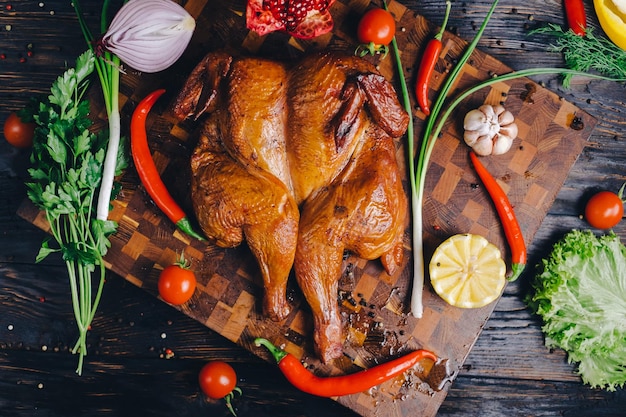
<point x="149" y="35"/>
<point x="490" y="130"/>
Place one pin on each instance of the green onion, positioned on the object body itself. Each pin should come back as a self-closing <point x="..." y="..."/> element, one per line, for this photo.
<point x="417" y="175"/>
<point x="108" y="69"/>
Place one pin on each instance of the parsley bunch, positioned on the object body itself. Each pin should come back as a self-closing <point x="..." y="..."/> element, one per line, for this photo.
<point x="66" y="172"/>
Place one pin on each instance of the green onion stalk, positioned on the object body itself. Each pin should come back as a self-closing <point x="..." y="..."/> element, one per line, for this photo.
<point x="108" y="68"/>
<point x="428" y="143"/>
<point x="434" y="125"/>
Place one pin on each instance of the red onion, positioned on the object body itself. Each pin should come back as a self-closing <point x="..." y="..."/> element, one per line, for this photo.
<point x="149" y="35"/>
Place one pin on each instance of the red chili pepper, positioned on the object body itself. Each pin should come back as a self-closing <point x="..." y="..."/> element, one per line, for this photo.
<point x="427" y="64"/>
<point x="511" y="227"/>
<point x="336" y="386"/>
<point x="148" y="172"/>
<point x="576" y="16"/>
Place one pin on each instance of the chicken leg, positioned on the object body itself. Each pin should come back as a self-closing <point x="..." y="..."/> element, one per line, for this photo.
<point x="233" y="202"/>
<point x="362" y="211"/>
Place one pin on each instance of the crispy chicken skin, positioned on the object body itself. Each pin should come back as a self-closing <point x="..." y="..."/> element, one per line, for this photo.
<point x="201" y="92"/>
<point x="330" y="98"/>
<point x="233" y="201"/>
<point x="362" y="211"/>
<point x="321" y="94"/>
<point x="256" y="116"/>
<point x="298" y="161"/>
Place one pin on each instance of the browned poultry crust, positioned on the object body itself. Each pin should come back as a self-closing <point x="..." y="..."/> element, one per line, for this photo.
<point x="298" y="161"/>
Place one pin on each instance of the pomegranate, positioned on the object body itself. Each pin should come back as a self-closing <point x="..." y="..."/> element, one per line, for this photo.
<point x="303" y="19"/>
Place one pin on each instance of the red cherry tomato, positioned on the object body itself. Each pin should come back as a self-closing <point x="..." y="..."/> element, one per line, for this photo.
<point x="217" y="379"/>
<point x="604" y="210"/>
<point x="18" y="133"/>
<point x="377" y="26"/>
<point x="177" y="283"/>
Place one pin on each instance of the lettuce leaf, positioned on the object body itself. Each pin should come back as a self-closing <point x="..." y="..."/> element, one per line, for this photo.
<point x="580" y="293"/>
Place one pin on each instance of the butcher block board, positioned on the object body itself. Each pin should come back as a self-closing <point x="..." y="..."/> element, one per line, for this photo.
<point x="374" y="304"/>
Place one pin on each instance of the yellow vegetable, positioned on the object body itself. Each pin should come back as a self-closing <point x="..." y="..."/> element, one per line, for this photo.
<point x="612" y="17"/>
<point x="467" y="271"/>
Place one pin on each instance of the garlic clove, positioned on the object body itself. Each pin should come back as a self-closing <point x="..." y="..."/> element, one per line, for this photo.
<point x="511" y="130"/>
<point x="498" y="109"/>
<point x="506" y="118"/>
<point x="475" y="120"/>
<point x="490" y="112"/>
<point x="483" y="146"/>
<point x="501" y="144"/>
<point x="471" y="136"/>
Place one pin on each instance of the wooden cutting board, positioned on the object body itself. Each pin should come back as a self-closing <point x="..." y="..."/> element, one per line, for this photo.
<point x="374" y="304"/>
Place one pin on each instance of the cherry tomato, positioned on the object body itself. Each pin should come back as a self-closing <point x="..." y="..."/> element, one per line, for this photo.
<point x="604" y="210"/>
<point x="177" y="283"/>
<point x="376" y="26"/>
<point x="217" y="379"/>
<point x="18" y="133"/>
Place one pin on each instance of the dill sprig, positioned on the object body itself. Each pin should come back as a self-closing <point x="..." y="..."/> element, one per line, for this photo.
<point x="585" y="53"/>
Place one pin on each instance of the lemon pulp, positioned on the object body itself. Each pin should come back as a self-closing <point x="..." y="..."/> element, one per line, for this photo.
<point x="467" y="271"/>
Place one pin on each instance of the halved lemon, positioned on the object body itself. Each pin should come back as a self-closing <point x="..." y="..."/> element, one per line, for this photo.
<point x="467" y="271"/>
<point x="612" y="17"/>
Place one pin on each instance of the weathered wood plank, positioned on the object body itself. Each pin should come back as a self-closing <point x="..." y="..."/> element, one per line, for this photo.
<point x="494" y="397"/>
<point x="508" y="371"/>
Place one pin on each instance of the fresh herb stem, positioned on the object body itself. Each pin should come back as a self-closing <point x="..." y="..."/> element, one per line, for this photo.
<point x="108" y="69"/>
<point x="583" y="53"/>
<point x="66" y="171"/>
<point x="416" y="202"/>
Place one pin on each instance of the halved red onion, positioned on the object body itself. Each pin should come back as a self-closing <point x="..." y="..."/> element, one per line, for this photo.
<point x="149" y="35"/>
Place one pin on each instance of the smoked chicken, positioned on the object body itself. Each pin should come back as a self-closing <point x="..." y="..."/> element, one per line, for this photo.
<point x="300" y="162"/>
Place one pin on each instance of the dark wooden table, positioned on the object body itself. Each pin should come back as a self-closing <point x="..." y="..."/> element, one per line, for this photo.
<point x="508" y="372"/>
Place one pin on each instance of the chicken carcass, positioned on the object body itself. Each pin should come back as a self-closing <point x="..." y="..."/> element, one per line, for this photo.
<point x="300" y="162"/>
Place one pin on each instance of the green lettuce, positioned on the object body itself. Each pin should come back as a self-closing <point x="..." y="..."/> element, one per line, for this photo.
<point x="580" y="293"/>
